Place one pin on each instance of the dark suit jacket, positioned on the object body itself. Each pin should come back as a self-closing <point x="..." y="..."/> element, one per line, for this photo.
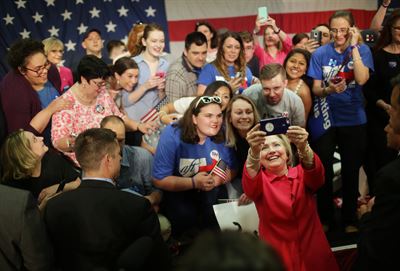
<point x="23" y="241"/>
<point x="91" y="225"/>
<point x="379" y="244"/>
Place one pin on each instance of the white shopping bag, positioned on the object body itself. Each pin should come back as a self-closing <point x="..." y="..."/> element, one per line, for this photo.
<point x="230" y="216"/>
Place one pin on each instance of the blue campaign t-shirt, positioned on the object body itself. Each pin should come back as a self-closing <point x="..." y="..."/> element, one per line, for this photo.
<point x="347" y="108"/>
<point x="210" y="74"/>
<point x="177" y="158"/>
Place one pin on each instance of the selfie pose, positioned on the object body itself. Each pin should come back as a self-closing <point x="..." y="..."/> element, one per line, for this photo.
<point x="284" y="198"/>
<point x="339" y="70"/>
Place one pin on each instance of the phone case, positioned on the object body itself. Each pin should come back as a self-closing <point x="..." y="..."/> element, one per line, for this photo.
<point x="316" y="35"/>
<point x="263" y="13"/>
<point x="275" y="126"/>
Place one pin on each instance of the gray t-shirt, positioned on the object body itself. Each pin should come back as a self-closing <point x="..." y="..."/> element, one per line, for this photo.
<point x="290" y="105"/>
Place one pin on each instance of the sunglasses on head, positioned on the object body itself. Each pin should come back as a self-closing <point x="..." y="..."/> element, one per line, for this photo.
<point x="208" y="99"/>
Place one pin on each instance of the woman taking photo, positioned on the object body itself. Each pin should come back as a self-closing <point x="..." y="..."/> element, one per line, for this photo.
<point x="184" y="166"/>
<point x="277" y="43"/>
<point x="296" y="64"/>
<point x="229" y="66"/>
<point x="339" y="70"/>
<point x="28" y="164"/>
<point x="284" y="198"/>
<point x="241" y="116"/>
<point x="152" y="69"/>
<point x="29" y="91"/>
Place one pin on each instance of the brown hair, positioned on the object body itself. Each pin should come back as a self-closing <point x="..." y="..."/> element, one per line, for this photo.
<point x="134" y="39"/>
<point x="240" y="62"/>
<point x="386" y="37"/>
<point x="271" y="70"/>
<point x="92" y="145"/>
<point x="188" y="129"/>
<point x="146" y="32"/>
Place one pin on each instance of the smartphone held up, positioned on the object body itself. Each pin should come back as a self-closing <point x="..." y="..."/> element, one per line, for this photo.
<point x="263" y="14"/>
<point x="275" y="126"/>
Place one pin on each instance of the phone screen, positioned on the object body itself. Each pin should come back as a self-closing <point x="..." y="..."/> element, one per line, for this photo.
<point x="263" y="13"/>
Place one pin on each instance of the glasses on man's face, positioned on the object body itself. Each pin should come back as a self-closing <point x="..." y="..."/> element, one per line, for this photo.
<point x="99" y="84"/>
<point x="39" y="70"/>
<point x="335" y="31"/>
<point x="208" y="99"/>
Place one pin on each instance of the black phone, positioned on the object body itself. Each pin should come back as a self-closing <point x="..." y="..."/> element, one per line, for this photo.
<point x="316" y="35"/>
<point x="275" y="126"/>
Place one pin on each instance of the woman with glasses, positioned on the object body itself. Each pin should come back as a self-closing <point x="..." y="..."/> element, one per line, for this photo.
<point x="378" y="91"/>
<point x="212" y="39"/>
<point x="54" y="50"/>
<point x="191" y="164"/>
<point x="276" y="42"/>
<point x="29" y="91"/>
<point x="150" y="89"/>
<point x="229" y="66"/>
<point x="339" y="70"/>
<point x="90" y="104"/>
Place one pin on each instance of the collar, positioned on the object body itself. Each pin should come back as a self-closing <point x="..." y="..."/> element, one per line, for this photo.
<point x="292" y="174"/>
<point x="108" y="180"/>
<point x="189" y="67"/>
<point x="162" y="63"/>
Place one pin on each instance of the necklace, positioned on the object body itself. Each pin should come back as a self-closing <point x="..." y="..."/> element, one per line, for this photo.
<point x="299" y="84"/>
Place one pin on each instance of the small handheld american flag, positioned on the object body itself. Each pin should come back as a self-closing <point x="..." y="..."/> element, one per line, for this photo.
<point x="152" y="115"/>
<point x="220" y="170"/>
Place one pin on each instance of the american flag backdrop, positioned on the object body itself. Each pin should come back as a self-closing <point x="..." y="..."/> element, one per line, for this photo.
<point x="68" y="20"/>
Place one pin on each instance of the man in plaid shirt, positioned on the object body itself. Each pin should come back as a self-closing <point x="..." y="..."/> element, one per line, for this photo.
<point x="181" y="80"/>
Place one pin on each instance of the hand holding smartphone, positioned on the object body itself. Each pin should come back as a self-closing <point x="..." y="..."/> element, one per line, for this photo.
<point x="160" y="74"/>
<point x="316" y="35"/>
<point x="275" y="126"/>
<point x="336" y="80"/>
<point x="263" y="14"/>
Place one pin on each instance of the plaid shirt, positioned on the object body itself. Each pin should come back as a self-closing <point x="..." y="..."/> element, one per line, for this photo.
<point x="181" y="80"/>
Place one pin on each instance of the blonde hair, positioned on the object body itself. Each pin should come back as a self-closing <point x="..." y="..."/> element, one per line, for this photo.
<point x="17" y="157"/>
<point x="286" y="143"/>
<point x="52" y="43"/>
<point x="229" y="129"/>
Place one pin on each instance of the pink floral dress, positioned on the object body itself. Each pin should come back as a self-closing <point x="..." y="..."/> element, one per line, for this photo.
<point x="81" y="117"/>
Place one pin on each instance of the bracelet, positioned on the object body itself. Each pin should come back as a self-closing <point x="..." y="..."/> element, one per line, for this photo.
<point x="383" y="5"/>
<point x="193" y="183"/>
<point x="277" y="32"/>
<point x="354" y="46"/>
<point x="306" y="157"/>
<point x="253" y="158"/>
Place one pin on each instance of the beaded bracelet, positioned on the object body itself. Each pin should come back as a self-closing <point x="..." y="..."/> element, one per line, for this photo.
<point x="306" y="157"/>
<point x="193" y="183"/>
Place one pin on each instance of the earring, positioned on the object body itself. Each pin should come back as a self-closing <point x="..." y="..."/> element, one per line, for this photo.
<point x="118" y="82"/>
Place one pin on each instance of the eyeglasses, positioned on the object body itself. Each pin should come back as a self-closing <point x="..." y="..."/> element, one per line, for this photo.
<point x="40" y="69"/>
<point x="341" y="31"/>
<point x="100" y="84"/>
<point x="208" y="99"/>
